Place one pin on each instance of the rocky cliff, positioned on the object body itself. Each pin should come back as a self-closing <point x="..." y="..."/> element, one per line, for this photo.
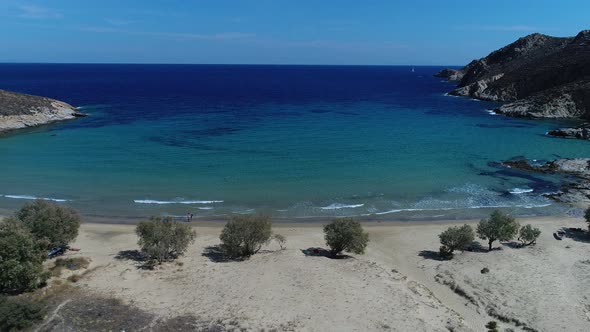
<point x="21" y="110"/>
<point x="537" y="76"/>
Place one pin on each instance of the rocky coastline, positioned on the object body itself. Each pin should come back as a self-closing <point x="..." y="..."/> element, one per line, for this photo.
<point x="18" y="111"/>
<point x="538" y="76"/>
<point x="576" y="133"/>
<point x="576" y="193"/>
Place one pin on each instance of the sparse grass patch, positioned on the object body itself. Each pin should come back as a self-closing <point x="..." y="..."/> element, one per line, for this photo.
<point x="71" y="264"/>
<point x="74" y="278"/>
<point x="456" y="288"/>
<point x="510" y="320"/>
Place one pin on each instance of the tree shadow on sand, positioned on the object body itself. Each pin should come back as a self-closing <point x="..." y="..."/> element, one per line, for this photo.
<point x="321" y="252"/>
<point x="514" y="244"/>
<point x="576" y="234"/>
<point x="216" y="255"/>
<point x="476" y="247"/>
<point x="137" y="256"/>
<point x="434" y="255"/>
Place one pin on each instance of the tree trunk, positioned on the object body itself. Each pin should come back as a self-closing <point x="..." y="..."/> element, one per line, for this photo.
<point x="490" y="245"/>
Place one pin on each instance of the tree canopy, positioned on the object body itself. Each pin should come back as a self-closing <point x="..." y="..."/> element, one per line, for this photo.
<point x="51" y="224"/>
<point x="345" y="234"/>
<point x="498" y="227"/>
<point x="21" y="258"/>
<point x="163" y="238"/>
<point x="456" y="237"/>
<point x="244" y="235"/>
<point x="528" y="235"/>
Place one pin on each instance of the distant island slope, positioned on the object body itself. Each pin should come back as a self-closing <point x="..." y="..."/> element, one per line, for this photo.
<point x="19" y="110"/>
<point x="539" y="76"/>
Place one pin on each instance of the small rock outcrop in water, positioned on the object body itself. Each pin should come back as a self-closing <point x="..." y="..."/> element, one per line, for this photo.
<point x="579" y="133"/>
<point x="19" y="110"/>
<point x="539" y="76"/>
<point x="575" y="193"/>
<point x="450" y="74"/>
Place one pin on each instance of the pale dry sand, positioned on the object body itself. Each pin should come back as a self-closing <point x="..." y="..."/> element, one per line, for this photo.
<point x="392" y="287"/>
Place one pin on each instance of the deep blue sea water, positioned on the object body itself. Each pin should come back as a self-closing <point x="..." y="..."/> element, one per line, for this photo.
<point x="292" y="141"/>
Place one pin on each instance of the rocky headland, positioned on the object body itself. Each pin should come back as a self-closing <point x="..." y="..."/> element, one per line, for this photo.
<point x="19" y="110"/>
<point x="537" y="76"/>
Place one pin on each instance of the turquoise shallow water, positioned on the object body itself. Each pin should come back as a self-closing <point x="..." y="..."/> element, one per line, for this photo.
<point x="292" y="141"/>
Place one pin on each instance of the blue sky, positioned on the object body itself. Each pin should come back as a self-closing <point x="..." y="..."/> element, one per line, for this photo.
<point x="417" y="32"/>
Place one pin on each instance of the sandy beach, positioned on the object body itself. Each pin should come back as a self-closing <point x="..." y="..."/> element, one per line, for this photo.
<point x="398" y="285"/>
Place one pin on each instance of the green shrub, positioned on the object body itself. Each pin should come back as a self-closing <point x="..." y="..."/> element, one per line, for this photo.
<point x="51" y="224"/>
<point x="492" y="326"/>
<point x="455" y="238"/>
<point x="498" y="226"/>
<point x="244" y="235"/>
<point x="164" y="239"/>
<point x="281" y="240"/>
<point x="528" y="235"/>
<point x="18" y="314"/>
<point x="345" y="234"/>
<point x="21" y="259"/>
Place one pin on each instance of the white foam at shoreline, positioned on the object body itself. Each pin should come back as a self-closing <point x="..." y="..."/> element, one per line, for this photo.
<point x="491" y="112"/>
<point x="151" y="201"/>
<point x="525" y="206"/>
<point x="518" y="191"/>
<point x="336" y="206"/>
<point x="29" y="197"/>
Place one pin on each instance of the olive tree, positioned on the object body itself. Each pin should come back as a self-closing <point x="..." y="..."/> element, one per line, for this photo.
<point x="345" y="234"/>
<point x="281" y="240"/>
<point x="164" y="239"/>
<point x="528" y="235"/>
<point x="21" y="258"/>
<point x="498" y="227"/>
<point x="244" y="235"/>
<point x="51" y="224"/>
<point x="455" y="238"/>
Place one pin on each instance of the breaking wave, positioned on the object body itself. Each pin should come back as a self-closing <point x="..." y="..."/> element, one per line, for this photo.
<point x="29" y="197"/>
<point x="518" y="191"/>
<point x="151" y="201"/>
<point x="337" y="206"/>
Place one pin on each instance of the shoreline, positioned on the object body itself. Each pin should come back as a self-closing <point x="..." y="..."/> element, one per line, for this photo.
<point x="315" y="222"/>
<point x="289" y="223"/>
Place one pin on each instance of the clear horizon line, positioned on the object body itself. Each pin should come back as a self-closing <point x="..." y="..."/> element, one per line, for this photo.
<point x="224" y="64"/>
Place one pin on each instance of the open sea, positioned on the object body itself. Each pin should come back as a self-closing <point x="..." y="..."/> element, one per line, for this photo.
<point x="292" y="141"/>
